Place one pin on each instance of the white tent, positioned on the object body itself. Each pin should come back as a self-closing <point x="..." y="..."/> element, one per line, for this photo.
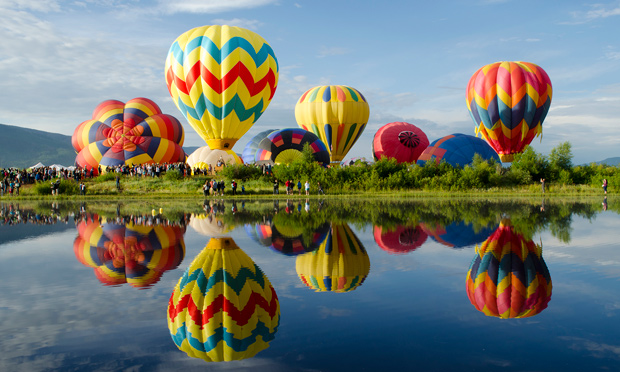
<point x="58" y="167"/>
<point x="38" y="165"/>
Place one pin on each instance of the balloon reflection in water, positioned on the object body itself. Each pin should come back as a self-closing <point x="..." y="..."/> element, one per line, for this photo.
<point x="128" y="253"/>
<point x="209" y="224"/>
<point x="340" y="264"/>
<point x="402" y="239"/>
<point x="287" y="240"/>
<point x="223" y="308"/>
<point x="508" y="277"/>
<point x="458" y="234"/>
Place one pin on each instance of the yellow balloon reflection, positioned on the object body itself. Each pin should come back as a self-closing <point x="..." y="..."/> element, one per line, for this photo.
<point x="340" y="264"/>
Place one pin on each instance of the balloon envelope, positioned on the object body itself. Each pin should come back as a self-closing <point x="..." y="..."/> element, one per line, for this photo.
<point x="223" y="308"/>
<point x="399" y="140"/>
<point x="508" y="277"/>
<point x="286" y="145"/>
<point x="457" y="150"/>
<point x="249" y="151"/>
<point x="336" y="113"/>
<point x="508" y="102"/>
<point x="204" y="156"/>
<point x="129" y="133"/>
<point x="222" y="78"/>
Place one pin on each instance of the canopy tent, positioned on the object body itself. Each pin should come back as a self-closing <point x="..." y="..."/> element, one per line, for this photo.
<point x="38" y="165"/>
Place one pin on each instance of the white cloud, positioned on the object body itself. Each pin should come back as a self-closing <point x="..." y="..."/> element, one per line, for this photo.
<point x="34" y="5"/>
<point x="596" y="12"/>
<point x="250" y="24"/>
<point x="210" y="6"/>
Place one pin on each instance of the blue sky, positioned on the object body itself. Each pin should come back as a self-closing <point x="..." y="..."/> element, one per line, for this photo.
<point x="411" y="59"/>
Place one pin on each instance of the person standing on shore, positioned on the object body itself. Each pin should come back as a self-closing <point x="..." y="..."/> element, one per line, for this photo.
<point x="307" y="187"/>
<point x="276" y="187"/>
<point x="542" y="184"/>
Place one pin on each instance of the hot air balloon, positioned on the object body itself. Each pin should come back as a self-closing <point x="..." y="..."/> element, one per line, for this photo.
<point x="458" y="234"/>
<point x="508" y="277"/>
<point x="402" y="239"/>
<point x="129" y="133"/>
<point x="128" y="253"/>
<point x="223" y="308"/>
<point x="336" y="113"/>
<point x="399" y="140"/>
<point x="340" y="264"/>
<point x="249" y="151"/>
<point x="457" y="150"/>
<point x="222" y="78"/>
<point x="285" y="146"/>
<point x="508" y="102"/>
<point x="203" y="157"/>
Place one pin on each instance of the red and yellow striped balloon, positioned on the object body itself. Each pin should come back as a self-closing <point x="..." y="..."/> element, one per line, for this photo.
<point x="223" y="308"/>
<point x="508" y="102"/>
<point x="222" y="78"/>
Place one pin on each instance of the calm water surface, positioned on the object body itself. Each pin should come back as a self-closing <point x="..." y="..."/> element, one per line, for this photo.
<point x="359" y="287"/>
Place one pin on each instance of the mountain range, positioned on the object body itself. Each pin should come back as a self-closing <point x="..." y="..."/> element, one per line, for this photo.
<point x="23" y="147"/>
<point x="17" y="148"/>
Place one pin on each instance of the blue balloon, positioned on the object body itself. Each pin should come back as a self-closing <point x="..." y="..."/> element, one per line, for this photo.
<point x="457" y="150"/>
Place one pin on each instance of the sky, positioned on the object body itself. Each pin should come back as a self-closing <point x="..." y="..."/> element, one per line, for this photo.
<point x="410" y="59"/>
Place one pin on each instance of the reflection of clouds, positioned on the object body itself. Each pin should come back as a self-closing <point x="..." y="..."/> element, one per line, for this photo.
<point x="327" y="312"/>
<point x="597" y="350"/>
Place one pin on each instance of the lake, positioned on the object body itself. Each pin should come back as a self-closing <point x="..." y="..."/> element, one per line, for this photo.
<point x="310" y="285"/>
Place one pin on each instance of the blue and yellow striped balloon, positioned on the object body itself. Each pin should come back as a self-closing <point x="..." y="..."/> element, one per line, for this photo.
<point x="223" y="308"/>
<point x="336" y="113"/>
<point x="222" y="78"/>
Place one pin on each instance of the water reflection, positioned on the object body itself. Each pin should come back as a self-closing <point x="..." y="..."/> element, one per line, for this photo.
<point x="137" y="252"/>
<point x="508" y="277"/>
<point x="223" y="308"/>
<point x="399" y="240"/>
<point x="340" y="264"/>
<point x="457" y="234"/>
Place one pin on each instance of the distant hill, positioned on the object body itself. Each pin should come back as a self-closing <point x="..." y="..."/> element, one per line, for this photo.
<point x="610" y="161"/>
<point x="23" y="147"/>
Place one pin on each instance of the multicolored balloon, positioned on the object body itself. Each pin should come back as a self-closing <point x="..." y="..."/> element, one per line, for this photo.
<point x="128" y="253"/>
<point x="249" y="151"/>
<point x="129" y="133"/>
<point x="223" y="308"/>
<point x="457" y="150"/>
<point x="222" y="78"/>
<point x="340" y="264"/>
<point x="402" y="239"/>
<point x="508" y="102"/>
<point x="458" y="234"/>
<point x="336" y="113"/>
<point x="260" y="233"/>
<point x="508" y="277"/>
<point x="399" y="140"/>
<point x="286" y="145"/>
